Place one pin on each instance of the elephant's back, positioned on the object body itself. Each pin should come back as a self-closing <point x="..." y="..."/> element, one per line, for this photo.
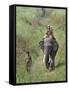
<point x="48" y="42"/>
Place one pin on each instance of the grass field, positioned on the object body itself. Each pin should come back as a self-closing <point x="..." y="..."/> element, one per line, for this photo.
<point x="30" y="28"/>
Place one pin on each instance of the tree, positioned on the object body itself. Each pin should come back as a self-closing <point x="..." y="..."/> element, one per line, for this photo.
<point x="43" y="12"/>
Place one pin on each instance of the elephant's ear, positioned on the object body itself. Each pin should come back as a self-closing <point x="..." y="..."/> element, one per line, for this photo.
<point x="56" y="45"/>
<point x="41" y="44"/>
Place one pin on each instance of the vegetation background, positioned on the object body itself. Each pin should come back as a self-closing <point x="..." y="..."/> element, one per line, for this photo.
<point x="31" y="25"/>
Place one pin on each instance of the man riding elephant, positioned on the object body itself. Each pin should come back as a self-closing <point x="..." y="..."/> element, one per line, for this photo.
<point x="49" y="46"/>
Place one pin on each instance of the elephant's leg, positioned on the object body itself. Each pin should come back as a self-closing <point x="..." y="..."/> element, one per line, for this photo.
<point x="46" y="60"/>
<point x="53" y="56"/>
<point x="48" y="50"/>
<point x="54" y="52"/>
<point x="52" y="59"/>
<point x="52" y="63"/>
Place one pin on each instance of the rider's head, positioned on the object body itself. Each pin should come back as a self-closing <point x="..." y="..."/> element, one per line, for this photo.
<point x="49" y="30"/>
<point x="48" y="26"/>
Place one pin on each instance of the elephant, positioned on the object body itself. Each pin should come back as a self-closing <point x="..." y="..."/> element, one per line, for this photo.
<point x="49" y="47"/>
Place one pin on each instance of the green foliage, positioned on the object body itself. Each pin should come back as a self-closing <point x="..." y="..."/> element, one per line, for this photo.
<point x="28" y="36"/>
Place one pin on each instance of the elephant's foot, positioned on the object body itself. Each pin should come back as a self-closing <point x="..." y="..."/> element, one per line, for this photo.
<point x="51" y="68"/>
